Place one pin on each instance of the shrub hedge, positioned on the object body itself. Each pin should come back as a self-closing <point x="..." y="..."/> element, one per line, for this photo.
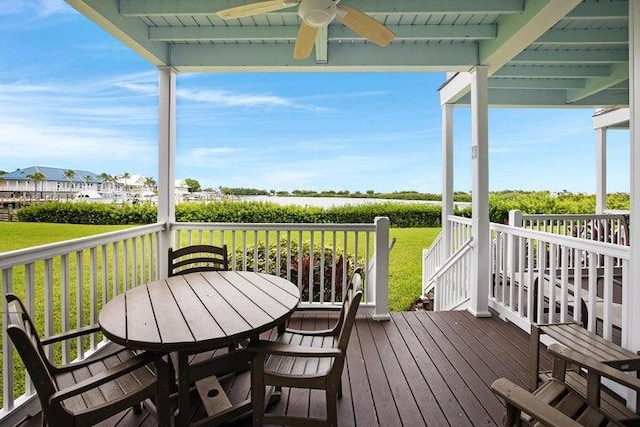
<point x="400" y="215"/>
<point x="409" y="215"/>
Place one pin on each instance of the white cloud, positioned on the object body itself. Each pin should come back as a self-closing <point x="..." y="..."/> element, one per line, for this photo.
<point x="24" y="143"/>
<point x="224" y="98"/>
<point x="36" y="9"/>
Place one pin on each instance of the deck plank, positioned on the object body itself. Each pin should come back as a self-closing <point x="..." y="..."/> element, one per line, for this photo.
<point x="418" y="368"/>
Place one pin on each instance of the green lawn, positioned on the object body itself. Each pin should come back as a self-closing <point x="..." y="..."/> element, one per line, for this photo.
<point x="405" y="263"/>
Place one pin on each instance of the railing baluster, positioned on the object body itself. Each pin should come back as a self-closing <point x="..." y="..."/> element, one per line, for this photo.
<point x="79" y="301"/>
<point x="7" y="347"/>
<point x="334" y="257"/>
<point x="93" y="295"/>
<point x="311" y="264"/>
<point x="322" y="261"/>
<point x="64" y="305"/>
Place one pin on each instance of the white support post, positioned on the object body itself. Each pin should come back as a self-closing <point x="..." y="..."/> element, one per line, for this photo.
<point x="166" y="161"/>
<point x="382" y="269"/>
<point x="480" y="260"/>
<point x="447" y="177"/>
<point x="631" y="294"/>
<point x="601" y="170"/>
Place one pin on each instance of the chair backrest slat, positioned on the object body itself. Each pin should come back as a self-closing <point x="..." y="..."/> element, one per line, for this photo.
<point x="194" y="258"/>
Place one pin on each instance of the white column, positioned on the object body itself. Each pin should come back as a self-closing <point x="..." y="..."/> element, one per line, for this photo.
<point x="382" y="269"/>
<point x="480" y="192"/>
<point x="166" y="161"/>
<point x="601" y="170"/>
<point x="631" y="293"/>
<point x="447" y="176"/>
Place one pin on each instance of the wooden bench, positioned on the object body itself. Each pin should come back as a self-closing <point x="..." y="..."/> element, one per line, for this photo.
<point x="578" y="339"/>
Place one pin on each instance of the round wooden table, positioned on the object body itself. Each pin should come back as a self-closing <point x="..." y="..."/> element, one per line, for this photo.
<point x="197" y="312"/>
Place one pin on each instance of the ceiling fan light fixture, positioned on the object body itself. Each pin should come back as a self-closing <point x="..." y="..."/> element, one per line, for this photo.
<point x="317" y="13"/>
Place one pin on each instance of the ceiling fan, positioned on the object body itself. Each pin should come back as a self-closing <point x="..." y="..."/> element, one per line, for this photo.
<point x="316" y="14"/>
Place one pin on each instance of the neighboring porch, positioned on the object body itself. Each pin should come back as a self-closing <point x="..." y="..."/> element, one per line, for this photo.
<point x="420" y="368"/>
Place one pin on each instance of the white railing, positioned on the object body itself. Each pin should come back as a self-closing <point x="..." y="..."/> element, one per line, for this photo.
<point x="451" y="282"/>
<point x="609" y="228"/>
<point x="64" y="285"/>
<point x="436" y="255"/>
<point x="432" y="259"/>
<point x="547" y="278"/>
<point x="337" y="250"/>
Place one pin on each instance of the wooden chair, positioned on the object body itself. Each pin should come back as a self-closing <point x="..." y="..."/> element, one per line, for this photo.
<point x="558" y="401"/>
<point x="282" y="363"/>
<point x="194" y="258"/>
<point x="87" y="392"/>
<point x="204" y="367"/>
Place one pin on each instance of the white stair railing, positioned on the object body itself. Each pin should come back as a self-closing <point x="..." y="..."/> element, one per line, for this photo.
<point x="432" y="259"/>
<point x="451" y="281"/>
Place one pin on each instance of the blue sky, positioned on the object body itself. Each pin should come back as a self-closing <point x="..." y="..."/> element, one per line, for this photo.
<point x="72" y="96"/>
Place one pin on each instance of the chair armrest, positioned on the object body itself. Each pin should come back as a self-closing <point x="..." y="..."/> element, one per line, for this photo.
<point x="530" y="404"/>
<point x="71" y="334"/>
<point x="104" y="377"/>
<point x="319" y="333"/>
<point x="270" y="347"/>
<point x="594" y="366"/>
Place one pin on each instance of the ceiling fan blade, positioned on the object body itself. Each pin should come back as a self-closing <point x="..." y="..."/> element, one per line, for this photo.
<point x="364" y="25"/>
<point x="305" y="41"/>
<point x="255" y="8"/>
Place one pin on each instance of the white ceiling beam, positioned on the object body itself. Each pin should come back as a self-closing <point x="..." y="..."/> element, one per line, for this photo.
<point x="525" y="98"/>
<point x="588" y="36"/>
<point x="210" y="7"/>
<point x="567" y="56"/>
<point x="535" y="83"/>
<point x="517" y="32"/>
<point x="619" y="73"/>
<point x="612" y="118"/>
<point x="335" y="32"/>
<point x="456" y="86"/>
<point x="614" y="9"/>
<point x="278" y="57"/>
<point x="554" y="71"/>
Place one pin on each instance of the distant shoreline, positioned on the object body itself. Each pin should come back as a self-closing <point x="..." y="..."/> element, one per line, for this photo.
<point x="328" y="202"/>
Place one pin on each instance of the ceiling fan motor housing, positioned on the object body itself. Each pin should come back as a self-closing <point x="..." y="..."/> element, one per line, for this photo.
<point x="317" y="13"/>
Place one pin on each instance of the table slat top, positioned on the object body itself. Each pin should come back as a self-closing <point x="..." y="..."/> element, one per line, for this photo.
<point x="197" y="311"/>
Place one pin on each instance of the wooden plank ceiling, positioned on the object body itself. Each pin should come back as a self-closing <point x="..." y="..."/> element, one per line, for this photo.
<point x="539" y="52"/>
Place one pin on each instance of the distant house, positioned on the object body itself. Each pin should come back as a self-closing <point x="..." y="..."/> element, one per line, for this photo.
<point x="57" y="183"/>
<point x="181" y="188"/>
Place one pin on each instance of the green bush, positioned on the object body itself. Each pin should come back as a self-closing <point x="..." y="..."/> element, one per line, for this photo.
<point x="88" y="213"/>
<point x="400" y="215"/>
<point x="408" y="215"/>
<point x="284" y="247"/>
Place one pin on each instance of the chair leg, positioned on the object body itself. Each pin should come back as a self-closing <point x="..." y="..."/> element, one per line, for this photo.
<point x="257" y="389"/>
<point x="332" y="406"/>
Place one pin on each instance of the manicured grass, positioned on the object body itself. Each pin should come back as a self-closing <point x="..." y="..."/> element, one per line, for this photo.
<point x="19" y="235"/>
<point x="405" y="265"/>
<point x="405" y="262"/>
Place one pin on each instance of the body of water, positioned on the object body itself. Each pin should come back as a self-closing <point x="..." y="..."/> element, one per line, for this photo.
<point x="328" y="202"/>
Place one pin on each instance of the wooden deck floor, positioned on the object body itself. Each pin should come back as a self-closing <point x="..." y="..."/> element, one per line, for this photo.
<point x="421" y="368"/>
